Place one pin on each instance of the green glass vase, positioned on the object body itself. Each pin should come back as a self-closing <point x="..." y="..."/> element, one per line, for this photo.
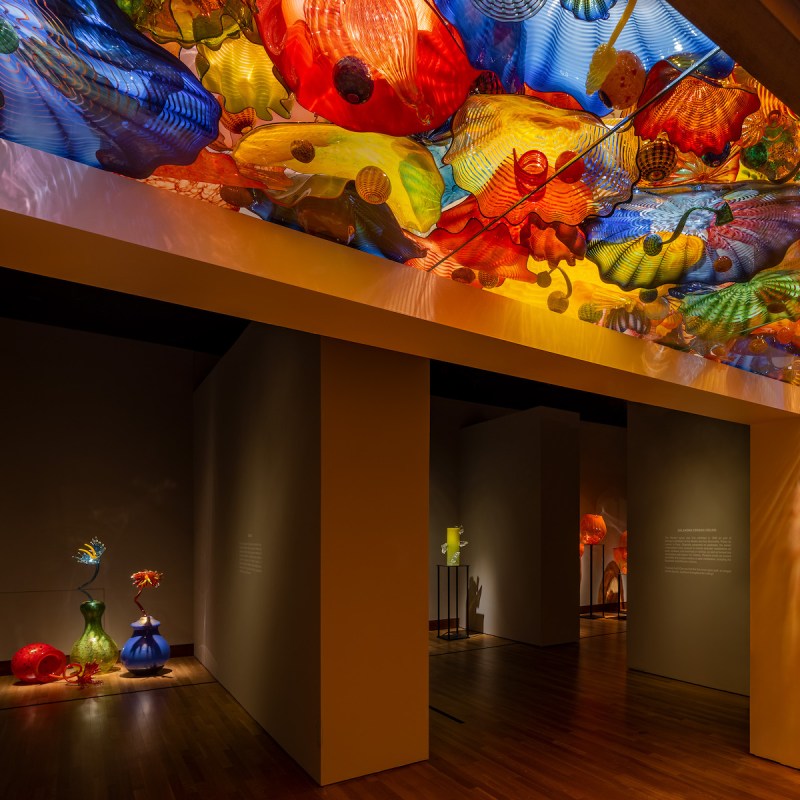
<point x="95" y="645"/>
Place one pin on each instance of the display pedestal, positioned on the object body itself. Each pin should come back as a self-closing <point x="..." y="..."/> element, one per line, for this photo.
<point x="449" y="632"/>
<point x="591" y="614"/>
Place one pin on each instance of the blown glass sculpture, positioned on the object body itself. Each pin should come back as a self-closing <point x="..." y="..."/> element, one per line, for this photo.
<point x="94" y="646"/>
<point x="147" y="650"/>
<point x="454" y="545"/>
<point x="38" y="663"/>
<point x="589" y="10"/>
<point x="621" y="553"/>
<point x="505" y="148"/>
<point x="81" y="83"/>
<point x="593" y="529"/>
<point x="389" y="66"/>
<point x="719" y="234"/>
<point x="553" y="51"/>
<point x="697" y="115"/>
<point x="509" y="10"/>
<point x="598" y="159"/>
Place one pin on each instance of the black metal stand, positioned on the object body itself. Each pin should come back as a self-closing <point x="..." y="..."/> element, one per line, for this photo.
<point x="620" y="615"/>
<point x="591" y="614"/>
<point x="451" y="633"/>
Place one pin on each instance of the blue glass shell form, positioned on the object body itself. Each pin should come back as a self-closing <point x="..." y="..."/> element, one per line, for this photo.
<point x="82" y="83"/>
<point x="552" y="51"/>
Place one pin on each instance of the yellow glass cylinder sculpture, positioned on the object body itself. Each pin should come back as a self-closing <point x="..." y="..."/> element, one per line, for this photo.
<point x="453" y="547"/>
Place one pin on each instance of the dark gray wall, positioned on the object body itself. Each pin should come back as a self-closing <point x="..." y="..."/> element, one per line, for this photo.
<point x="519" y="505"/>
<point x="257" y="457"/>
<point x="97" y="441"/>
<point x="448" y="417"/>
<point x="689" y="533"/>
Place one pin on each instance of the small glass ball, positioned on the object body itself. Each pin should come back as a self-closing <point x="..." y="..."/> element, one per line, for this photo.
<point x="558" y="302"/>
<point x="373" y="185"/>
<point x="352" y="80"/>
<point x="302" y="150"/>
<point x="652" y="244"/>
<point x="463" y="275"/>
<point x="722" y="264"/>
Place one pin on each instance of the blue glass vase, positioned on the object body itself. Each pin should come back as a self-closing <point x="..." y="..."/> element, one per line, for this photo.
<point x="147" y="650"/>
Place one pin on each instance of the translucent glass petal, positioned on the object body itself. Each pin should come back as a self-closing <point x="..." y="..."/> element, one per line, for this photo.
<point x="493" y="135"/>
<point x="84" y="85"/>
<point x="416" y="186"/>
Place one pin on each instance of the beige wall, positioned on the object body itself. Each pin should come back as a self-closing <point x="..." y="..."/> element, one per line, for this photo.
<point x="775" y="591"/>
<point x="375" y="418"/>
<point x="96" y="442"/>
<point x="686" y="623"/>
<point x="317" y="450"/>
<point x="519" y="502"/>
<point x="257" y="484"/>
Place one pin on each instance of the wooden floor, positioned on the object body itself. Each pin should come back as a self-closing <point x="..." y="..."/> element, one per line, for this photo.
<point x="509" y="721"/>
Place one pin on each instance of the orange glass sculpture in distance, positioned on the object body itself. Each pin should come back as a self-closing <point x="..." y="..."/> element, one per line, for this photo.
<point x="621" y="553"/>
<point x="593" y="529"/>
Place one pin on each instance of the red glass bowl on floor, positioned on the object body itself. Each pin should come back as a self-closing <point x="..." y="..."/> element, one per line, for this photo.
<point x="38" y="663"/>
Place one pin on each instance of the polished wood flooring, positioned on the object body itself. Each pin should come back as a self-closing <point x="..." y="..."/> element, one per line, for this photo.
<point x="177" y="672"/>
<point x="508" y="721"/>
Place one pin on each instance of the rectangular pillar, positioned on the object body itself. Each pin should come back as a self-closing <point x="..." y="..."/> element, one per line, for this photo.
<point x="775" y="591"/>
<point x="257" y="545"/>
<point x="311" y="546"/>
<point x="374" y="551"/>
<point x="519" y="506"/>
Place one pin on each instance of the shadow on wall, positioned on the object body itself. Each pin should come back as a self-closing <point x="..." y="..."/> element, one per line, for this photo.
<point x="474" y="591"/>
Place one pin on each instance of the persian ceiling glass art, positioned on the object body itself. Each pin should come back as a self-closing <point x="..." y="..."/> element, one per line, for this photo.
<point x="600" y="159"/>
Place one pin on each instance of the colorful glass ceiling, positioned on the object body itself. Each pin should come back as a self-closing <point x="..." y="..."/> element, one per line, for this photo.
<point x="602" y="159"/>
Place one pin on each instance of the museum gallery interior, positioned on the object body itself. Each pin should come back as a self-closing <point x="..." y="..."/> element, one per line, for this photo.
<point x="344" y="343"/>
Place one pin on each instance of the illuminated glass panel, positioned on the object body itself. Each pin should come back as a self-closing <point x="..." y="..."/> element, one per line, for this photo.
<point x="600" y="159"/>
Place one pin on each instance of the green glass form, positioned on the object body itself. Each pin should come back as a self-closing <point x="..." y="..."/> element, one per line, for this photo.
<point x="95" y="645"/>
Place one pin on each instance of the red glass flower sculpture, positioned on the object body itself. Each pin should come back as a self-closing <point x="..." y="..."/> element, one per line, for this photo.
<point x="82" y="674"/>
<point x="142" y="580"/>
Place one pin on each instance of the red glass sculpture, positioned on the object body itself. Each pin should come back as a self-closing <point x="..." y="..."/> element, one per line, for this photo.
<point x="553" y="242"/>
<point x="593" y="529"/>
<point x="387" y="66"/>
<point x="698" y="115"/>
<point x="38" y="663"/>
<point x="82" y="675"/>
<point x="621" y="553"/>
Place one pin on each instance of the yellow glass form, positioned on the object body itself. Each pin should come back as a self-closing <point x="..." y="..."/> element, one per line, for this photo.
<point x="498" y="138"/>
<point x="337" y="156"/>
<point x="453" y="547"/>
<point x="242" y="73"/>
